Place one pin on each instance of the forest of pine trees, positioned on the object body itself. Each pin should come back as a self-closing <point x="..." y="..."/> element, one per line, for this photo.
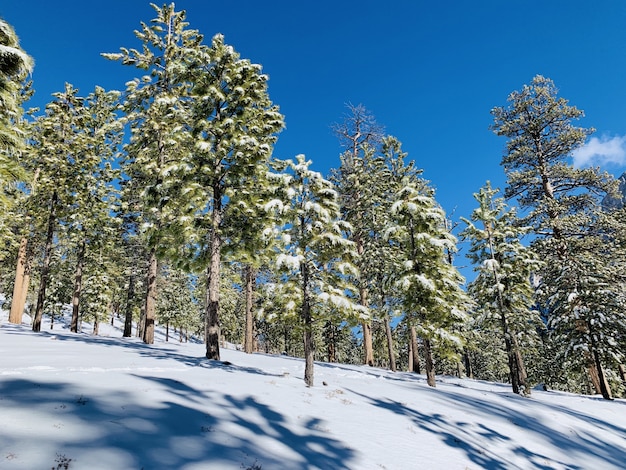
<point x="164" y="204"/>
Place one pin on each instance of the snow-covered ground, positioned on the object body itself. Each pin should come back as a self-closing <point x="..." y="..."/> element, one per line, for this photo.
<point x="77" y="401"/>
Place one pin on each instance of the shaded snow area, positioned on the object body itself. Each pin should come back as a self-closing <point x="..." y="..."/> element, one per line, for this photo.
<point x="77" y="401"/>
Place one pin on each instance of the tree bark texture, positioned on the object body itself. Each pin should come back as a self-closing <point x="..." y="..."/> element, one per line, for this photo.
<point x="128" y="317"/>
<point x="415" y="357"/>
<point x="45" y="268"/>
<point x="78" y="285"/>
<point x="248" y="343"/>
<point x="430" y="365"/>
<point x="19" y="300"/>
<point x="389" y="335"/>
<point x="212" y="326"/>
<point x="151" y="295"/>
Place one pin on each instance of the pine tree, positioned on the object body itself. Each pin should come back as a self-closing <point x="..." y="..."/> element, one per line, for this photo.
<point x="314" y="264"/>
<point x="157" y="110"/>
<point x="234" y="126"/>
<point x="502" y="289"/>
<point x="561" y="201"/>
<point x="358" y="179"/>
<point x="433" y="301"/>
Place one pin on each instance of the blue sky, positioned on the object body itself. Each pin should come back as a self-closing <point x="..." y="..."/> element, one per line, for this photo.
<point x="429" y="71"/>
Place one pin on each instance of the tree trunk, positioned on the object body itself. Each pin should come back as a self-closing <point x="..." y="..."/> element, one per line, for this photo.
<point x="603" y="384"/>
<point x="622" y="373"/>
<point x="366" y="325"/>
<point x="22" y="273"/>
<point x="469" y="370"/>
<point x="142" y="321"/>
<point x="520" y="368"/>
<point x="331" y="342"/>
<point x="96" y="326"/>
<point x="392" y="354"/>
<point x="248" y="343"/>
<point x="415" y="362"/>
<point x="167" y="331"/>
<point x="151" y="295"/>
<point x="45" y="268"/>
<point x="17" y="304"/>
<point x="78" y="284"/>
<point x="430" y="366"/>
<point x="309" y="345"/>
<point x="212" y="326"/>
<point x="128" y="317"/>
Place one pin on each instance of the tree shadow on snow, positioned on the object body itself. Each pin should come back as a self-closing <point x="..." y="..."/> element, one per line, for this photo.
<point x="474" y="439"/>
<point x="201" y="429"/>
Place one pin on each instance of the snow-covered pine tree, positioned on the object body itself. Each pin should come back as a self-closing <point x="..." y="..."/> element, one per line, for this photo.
<point x="157" y="108"/>
<point x="15" y="65"/>
<point x="234" y="126"/>
<point x="56" y="140"/>
<point x="92" y="225"/>
<point x="315" y="260"/>
<point x="433" y="300"/>
<point x="502" y="289"/>
<point x="358" y="178"/>
<point x="561" y="201"/>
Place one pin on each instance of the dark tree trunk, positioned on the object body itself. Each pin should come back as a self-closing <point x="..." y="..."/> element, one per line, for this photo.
<point x="212" y="326"/>
<point x="151" y="295"/>
<point x="469" y="370"/>
<point x="78" y="285"/>
<point x="128" y="317"/>
<point x="45" y="268"/>
<point x="415" y="357"/>
<point x="249" y="337"/>
<point x="389" y="335"/>
<point x="331" y="342"/>
<point x="307" y="319"/>
<point x="430" y="365"/>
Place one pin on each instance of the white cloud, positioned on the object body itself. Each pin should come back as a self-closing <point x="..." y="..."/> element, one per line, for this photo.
<point x="601" y="151"/>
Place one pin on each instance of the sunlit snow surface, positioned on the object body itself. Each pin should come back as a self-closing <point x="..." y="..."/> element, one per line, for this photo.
<point x="111" y="403"/>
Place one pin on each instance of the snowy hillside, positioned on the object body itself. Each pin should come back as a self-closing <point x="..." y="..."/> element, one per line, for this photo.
<point x="75" y="401"/>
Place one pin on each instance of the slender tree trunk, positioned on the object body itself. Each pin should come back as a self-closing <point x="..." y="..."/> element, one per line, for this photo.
<point x="248" y="344"/>
<point x="415" y="362"/>
<point x="167" y="331"/>
<point x="151" y="295"/>
<point x="212" y="326"/>
<point x="128" y="318"/>
<point x="307" y="318"/>
<point x="366" y="325"/>
<point x="15" y="316"/>
<point x="142" y="321"/>
<point x="45" y="268"/>
<point x="22" y="273"/>
<point x="430" y="365"/>
<point x="389" y="335"/>
<point x="331" y="342"/>
<point x="605" y="389"/>
<point x="469" y="370"/>
<point x="622" y="373"/>
<point x="78" y="285"/>
<point x="96" y="326"/>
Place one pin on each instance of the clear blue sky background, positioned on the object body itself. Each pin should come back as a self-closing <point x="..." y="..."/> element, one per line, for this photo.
<point x="430" y="71"/>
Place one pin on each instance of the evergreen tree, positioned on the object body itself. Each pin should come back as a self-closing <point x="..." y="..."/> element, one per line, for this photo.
<point x="315" y="261"/>
<point x="562" y="202"/>
<point x="234" y="126"/>
<point x="157" y="110"/>
<point x="358" y="181"/>
<point x="502" y="289"/>
<point x="433" y="301"/>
